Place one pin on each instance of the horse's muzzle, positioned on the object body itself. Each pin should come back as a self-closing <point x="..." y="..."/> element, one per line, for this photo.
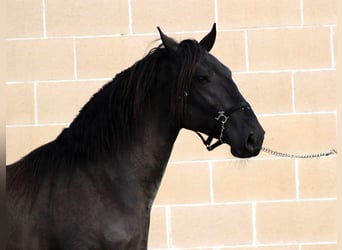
<point x="250" y="146"/>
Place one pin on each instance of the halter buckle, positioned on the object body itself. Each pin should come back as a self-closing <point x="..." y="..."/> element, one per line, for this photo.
<point x="221" y="117"/>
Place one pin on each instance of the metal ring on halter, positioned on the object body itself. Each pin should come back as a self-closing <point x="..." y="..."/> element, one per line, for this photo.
<point x="220" y="115"/>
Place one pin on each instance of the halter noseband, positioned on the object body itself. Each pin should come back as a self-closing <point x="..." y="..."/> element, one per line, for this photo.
<point x="223" y="118"/>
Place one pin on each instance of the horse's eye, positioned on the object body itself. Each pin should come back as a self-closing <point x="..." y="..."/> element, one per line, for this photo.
<point x="201" y="78"/>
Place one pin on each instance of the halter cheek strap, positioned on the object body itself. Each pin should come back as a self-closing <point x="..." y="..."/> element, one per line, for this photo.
<point x="223" y="119"/>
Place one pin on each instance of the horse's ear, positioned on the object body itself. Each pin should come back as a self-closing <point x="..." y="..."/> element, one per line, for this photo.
<point x="208" y="41"/>
<point x="168" y="42"/>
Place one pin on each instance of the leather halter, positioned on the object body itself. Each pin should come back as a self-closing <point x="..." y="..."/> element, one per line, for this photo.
<point x="222" y="117"/>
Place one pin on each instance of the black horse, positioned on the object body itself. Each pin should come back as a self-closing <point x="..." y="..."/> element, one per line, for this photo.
<point x="94" y="185"/>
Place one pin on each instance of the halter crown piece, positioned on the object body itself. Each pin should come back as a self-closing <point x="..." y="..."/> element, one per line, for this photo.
<point x="223" y="118"/>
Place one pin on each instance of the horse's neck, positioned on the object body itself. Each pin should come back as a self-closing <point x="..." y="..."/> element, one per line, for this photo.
<point x="143" y="164"/>
<point x="153" y="153"/>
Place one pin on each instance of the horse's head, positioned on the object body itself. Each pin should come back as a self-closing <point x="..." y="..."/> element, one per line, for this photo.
<point x="213" y="103"/>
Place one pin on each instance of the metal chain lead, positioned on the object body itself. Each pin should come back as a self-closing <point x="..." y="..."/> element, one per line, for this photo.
<point x="280" y="154"/>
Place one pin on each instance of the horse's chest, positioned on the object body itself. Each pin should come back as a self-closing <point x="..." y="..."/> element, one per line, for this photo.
<point x="101" y="218"/>
<point x="127" y="232"/>
<point x="108" y="232"/>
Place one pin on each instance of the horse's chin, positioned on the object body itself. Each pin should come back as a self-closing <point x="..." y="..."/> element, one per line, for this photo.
<point x="244" y="153"/>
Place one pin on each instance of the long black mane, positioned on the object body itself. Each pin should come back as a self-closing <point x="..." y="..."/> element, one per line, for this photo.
<point x="110" y="118"/>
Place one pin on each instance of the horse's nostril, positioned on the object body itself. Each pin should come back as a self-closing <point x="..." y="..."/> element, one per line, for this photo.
<point x="251" y="142"/>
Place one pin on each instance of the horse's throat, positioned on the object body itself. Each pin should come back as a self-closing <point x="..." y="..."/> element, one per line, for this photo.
<point x="153" y="159"/>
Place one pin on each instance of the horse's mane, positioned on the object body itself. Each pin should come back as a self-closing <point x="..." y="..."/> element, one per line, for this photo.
<point x="108" y="120"/>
